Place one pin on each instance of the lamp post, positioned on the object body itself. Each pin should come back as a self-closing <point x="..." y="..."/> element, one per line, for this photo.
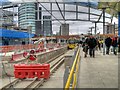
<point x="119" y="20"/>
<point x="95" y="27"/>
<point x="29" y="31"/>
<point x="45" y="43"/>
<point x="114" y="28"/>
<point x="103" y="9"/>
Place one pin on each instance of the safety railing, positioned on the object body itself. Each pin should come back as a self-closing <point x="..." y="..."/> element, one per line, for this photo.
<point x="72" y="77"/>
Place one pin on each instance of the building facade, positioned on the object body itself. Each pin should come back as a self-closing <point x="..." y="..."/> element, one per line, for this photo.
<point x="38" y="15"/>
<point x="109" y="29"/>
<point x="64" y="29"/>
<point x="29" y="17"/>
<point x="47" y="25"/>
<point x="26" y="16"/>
<point x="6" y="21"/>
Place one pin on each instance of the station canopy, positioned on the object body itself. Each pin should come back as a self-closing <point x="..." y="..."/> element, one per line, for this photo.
<point x="79" y="14"/>
<point x="14" y="34"/>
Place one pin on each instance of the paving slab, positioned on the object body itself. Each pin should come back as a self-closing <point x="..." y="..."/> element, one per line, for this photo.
<point x="98" y="72"/>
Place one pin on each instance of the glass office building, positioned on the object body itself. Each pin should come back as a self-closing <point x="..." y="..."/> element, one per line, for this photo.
<point x="47" y="25"/>
<point x="26" y="16"/>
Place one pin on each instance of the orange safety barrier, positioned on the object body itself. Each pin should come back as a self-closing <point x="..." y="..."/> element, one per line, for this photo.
<point x="11" y="48"/>
<point x="6" y="48"/>
<point x="22" y="71"/>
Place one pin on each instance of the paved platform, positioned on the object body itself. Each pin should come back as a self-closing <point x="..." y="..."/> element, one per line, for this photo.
<point x="56" y="80"/>
<point x="98" y="72"/>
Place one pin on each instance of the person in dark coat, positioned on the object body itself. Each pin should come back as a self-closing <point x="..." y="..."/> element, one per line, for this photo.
<point x="92" y="42"/>
<point x="23" y="42"/>
<point x="85" y="47"/>
<point x="108" y="42"/>
<point x="114" y="44"/>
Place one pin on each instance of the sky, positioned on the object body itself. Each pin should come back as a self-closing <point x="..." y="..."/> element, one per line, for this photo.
<point x="76" y="27"/>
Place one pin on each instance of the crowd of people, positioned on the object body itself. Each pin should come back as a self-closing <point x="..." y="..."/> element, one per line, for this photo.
<point x="91" y="44"/>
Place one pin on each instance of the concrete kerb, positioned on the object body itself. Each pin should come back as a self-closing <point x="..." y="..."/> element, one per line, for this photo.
<point x="50" y="54"/>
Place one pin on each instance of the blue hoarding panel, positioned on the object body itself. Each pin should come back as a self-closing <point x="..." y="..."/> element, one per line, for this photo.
<point x="14" y="34"/>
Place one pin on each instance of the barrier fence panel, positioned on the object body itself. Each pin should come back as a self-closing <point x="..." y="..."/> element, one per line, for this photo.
<point x="11" y="48"/>
<point x="16" y="48"/>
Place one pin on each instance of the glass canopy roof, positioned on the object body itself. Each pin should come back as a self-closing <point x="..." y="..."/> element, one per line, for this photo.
<point x="80" y="14"/>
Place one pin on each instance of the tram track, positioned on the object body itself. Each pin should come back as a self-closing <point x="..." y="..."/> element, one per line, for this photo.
<point x="36" y="83"/>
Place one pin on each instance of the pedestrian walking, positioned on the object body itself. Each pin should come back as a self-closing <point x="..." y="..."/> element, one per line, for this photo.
<point x="85" y="50"/>
<point x="114" y="44"/>
<point x="92" y="43"/>
<point x="100" y="44"/>
<point x="85" y="47"/>
<point x="108" y="42"/>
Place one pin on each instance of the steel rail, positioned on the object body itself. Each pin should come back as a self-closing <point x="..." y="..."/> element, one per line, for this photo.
<point x="53" y="68"/>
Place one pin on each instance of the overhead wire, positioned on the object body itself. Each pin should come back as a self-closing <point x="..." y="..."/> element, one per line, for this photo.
<point x="49" y="12"/>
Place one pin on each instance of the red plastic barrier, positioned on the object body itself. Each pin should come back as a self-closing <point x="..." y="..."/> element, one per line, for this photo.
<point x="25" y="54"/>
<point x="16" y="57"/>
<point x="32" y="57"/>
<point x="33" y="70"/>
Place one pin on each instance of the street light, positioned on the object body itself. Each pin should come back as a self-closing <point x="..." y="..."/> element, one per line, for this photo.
<point x="104" y="30"/>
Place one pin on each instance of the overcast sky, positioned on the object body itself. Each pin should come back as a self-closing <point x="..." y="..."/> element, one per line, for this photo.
<point x="76" y="27"/>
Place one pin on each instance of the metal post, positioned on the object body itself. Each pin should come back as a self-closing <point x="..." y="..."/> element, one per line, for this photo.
<point x="45" y="43"/>
<point x="64" y="9"/>
<point x="89" y="10"/>
<point x="103" y="30"/>
<point x="1" y="76"/>
<point x="76" y="11"/>
<point x="29" y="31"/>
<point x="114" y="28"/>
<point x="119" y="24"/>
<point x="91" y="30"/>
<point x="95" y="28"/>
<point x="13" y="14"/>
<point x="119" y="37"/>
<point x="51" y="9"/>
